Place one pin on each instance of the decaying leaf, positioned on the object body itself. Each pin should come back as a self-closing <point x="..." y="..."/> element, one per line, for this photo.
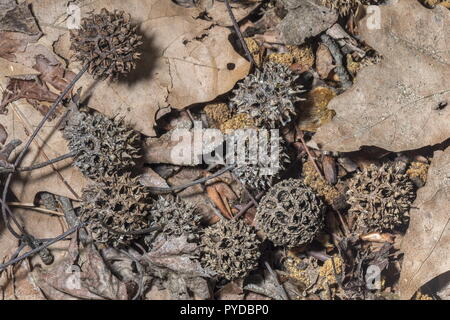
<point x="59" y="178"/>
<point x="394" y="105"/>
<point x="17" y="28"/>
<point x="3" y="134"/>
<point x="185" y="61"/>
<point x="32" y="90"/>
<point x="427" y="242"/>
<point x="304" y="19"/>
<point x="83" y="274"/>
<point x="46" y="71"/>
<point x="324" y="61"/>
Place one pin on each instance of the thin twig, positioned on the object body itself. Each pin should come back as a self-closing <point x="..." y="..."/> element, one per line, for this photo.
<point x="47" y="163"/>
<point x="239" y="33"/>
<point x="252" y="199"/>
<point x="42" y="246"/>
<point x="281" y="288"/>
<point x="192" y="183"/>
<point x="344" y="224"/>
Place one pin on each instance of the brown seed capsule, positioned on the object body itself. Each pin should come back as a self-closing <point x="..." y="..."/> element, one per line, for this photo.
<point x="108" y="42"/>
<point x="380" y="198"/>
<point x="114" y="206"/>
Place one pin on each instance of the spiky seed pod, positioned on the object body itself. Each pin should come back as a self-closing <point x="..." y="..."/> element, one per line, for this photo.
<point x="113" y="206"/>
<point x="103" y="146"/>
<point x="230" y="248"/>
<point x="345" y="6"/>
<point x="290" y="214"/>
<point x="380" y="198"/>
<point x="108" y="42"/>
<point x="257" y="167"/>
<point x="268" y="96"/>
<point x="175" y="217"/>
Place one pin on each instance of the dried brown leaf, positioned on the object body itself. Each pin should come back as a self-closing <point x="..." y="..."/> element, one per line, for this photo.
<point x="222" y="195"/>
<point x="329" y="169"/>
<point x="390" y="106"/>
<point x="22" y="118"/>
<point x="427" y="242"/>
<point x="60" y="178"/>
<point x="53" y="73"/>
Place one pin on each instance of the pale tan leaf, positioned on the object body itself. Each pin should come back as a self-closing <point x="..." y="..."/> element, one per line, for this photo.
<point x="427" y="242"/>
<point x="394" y="105"/>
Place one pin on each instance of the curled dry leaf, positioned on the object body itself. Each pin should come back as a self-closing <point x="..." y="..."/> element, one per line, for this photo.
<point x="151" y="179"/>
<point x="185" y="60"/>
<point x="389" y="106"/>
<point x="378" y="237"/>
<point x="32" y="90"/>
<point x="427" y="242"/>
<point x="329" y="169"/>
<point x="83" y="274"/>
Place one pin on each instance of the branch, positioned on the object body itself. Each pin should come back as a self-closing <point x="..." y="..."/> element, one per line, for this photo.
<point x="41" y="247"/>
<point x="239" y="33"/>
